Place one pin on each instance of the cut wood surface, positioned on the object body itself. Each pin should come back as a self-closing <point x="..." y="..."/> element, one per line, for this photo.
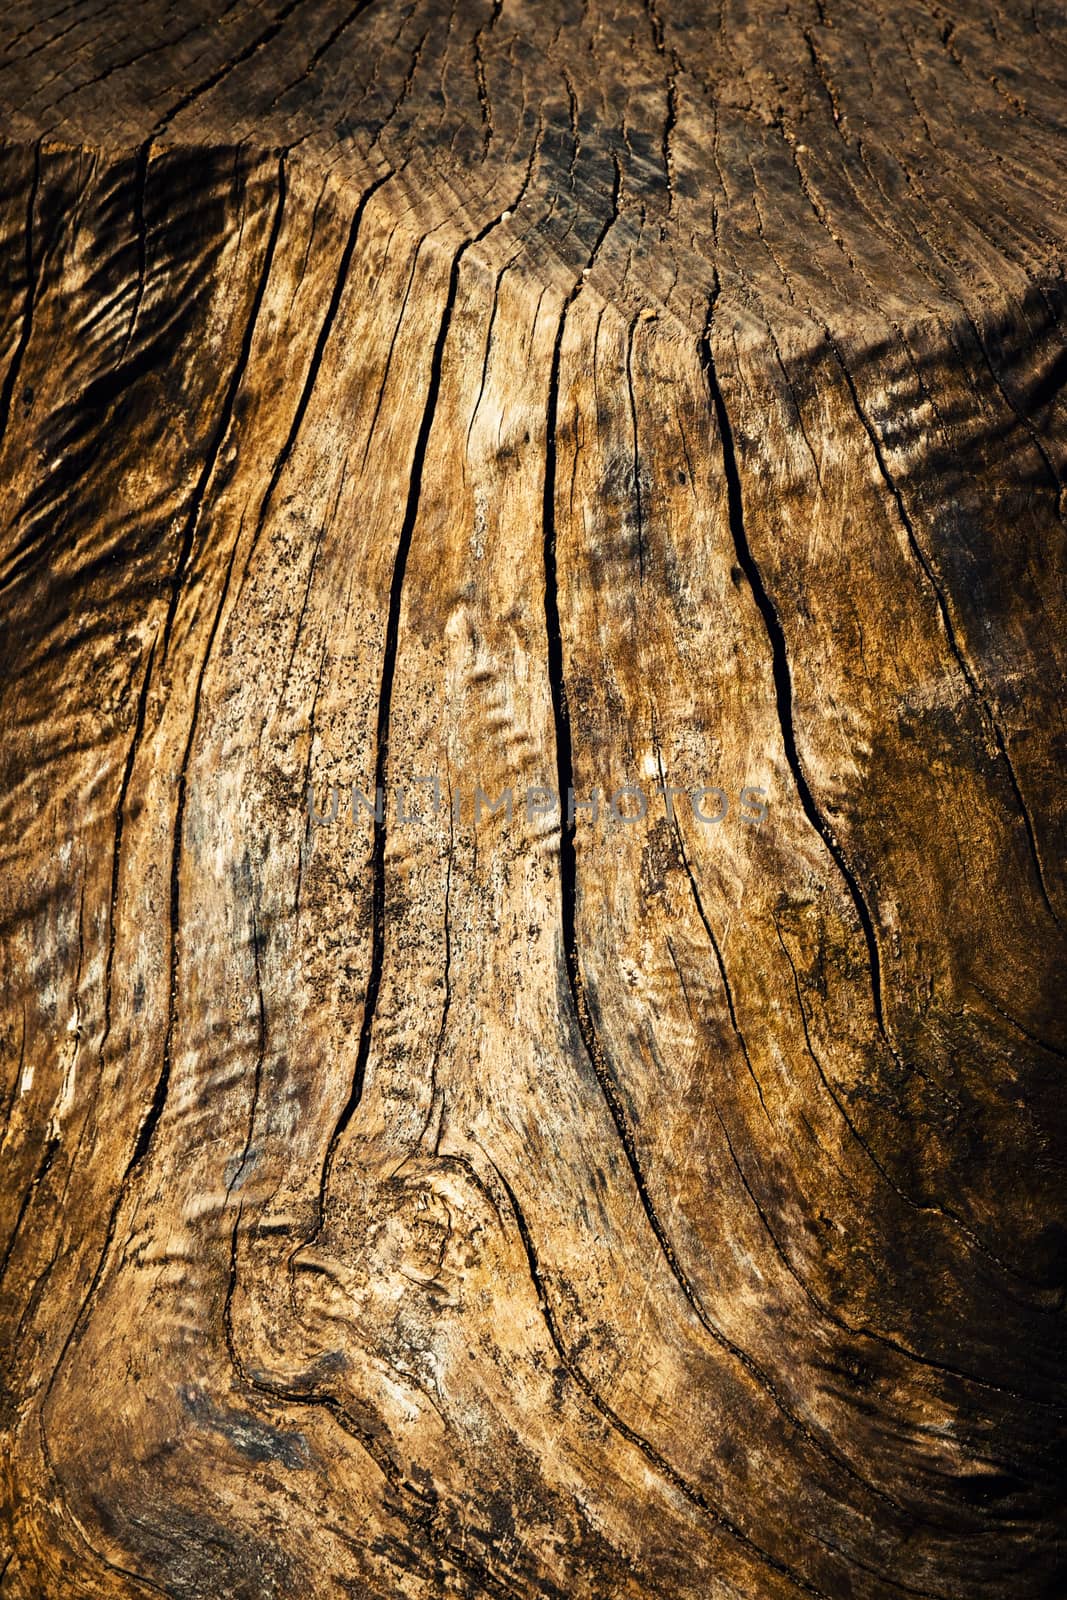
<point x="544" y="398"/>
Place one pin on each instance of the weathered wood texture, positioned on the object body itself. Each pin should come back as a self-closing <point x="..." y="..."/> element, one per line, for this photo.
<point x="532" y="394"/>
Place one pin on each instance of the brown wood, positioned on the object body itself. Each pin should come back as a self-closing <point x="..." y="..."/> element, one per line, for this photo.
<point x="522" y="394"/>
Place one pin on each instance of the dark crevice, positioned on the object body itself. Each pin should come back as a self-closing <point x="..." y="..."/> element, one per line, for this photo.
<point x="1042" y="1044"/>
<point x="487" y="351"/>
<point x="19" y="62"/>
<point x="783" y="684"/>
<point x="389" y="660"/>
<point x="446" y="1003"/>
<point x="565" y="759"/>
<point x="159" y="1097"/>
<point x="48" y="1155"/>
<point x="750" y="1365"/>
<point x="568" y="890"/>
<point x="323" y="49"/>
<point x="483" y="95"/>
<point x="142" y="54"/>
<point x="670" y="122"/>
<point x="405" y="91"/>
<point x="783" y="695"/>
<point x="326" y="328"/>
<point x="206" y="85"/>
<point x="638" y="506"/>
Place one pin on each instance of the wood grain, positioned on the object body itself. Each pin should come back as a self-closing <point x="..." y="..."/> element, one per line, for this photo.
<point x="537" y="397"/>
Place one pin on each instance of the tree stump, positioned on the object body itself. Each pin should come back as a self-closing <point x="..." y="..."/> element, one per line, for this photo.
<point x="650" y="416"/>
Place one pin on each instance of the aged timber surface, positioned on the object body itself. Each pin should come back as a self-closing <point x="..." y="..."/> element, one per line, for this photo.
<point x="533" y="396"/>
